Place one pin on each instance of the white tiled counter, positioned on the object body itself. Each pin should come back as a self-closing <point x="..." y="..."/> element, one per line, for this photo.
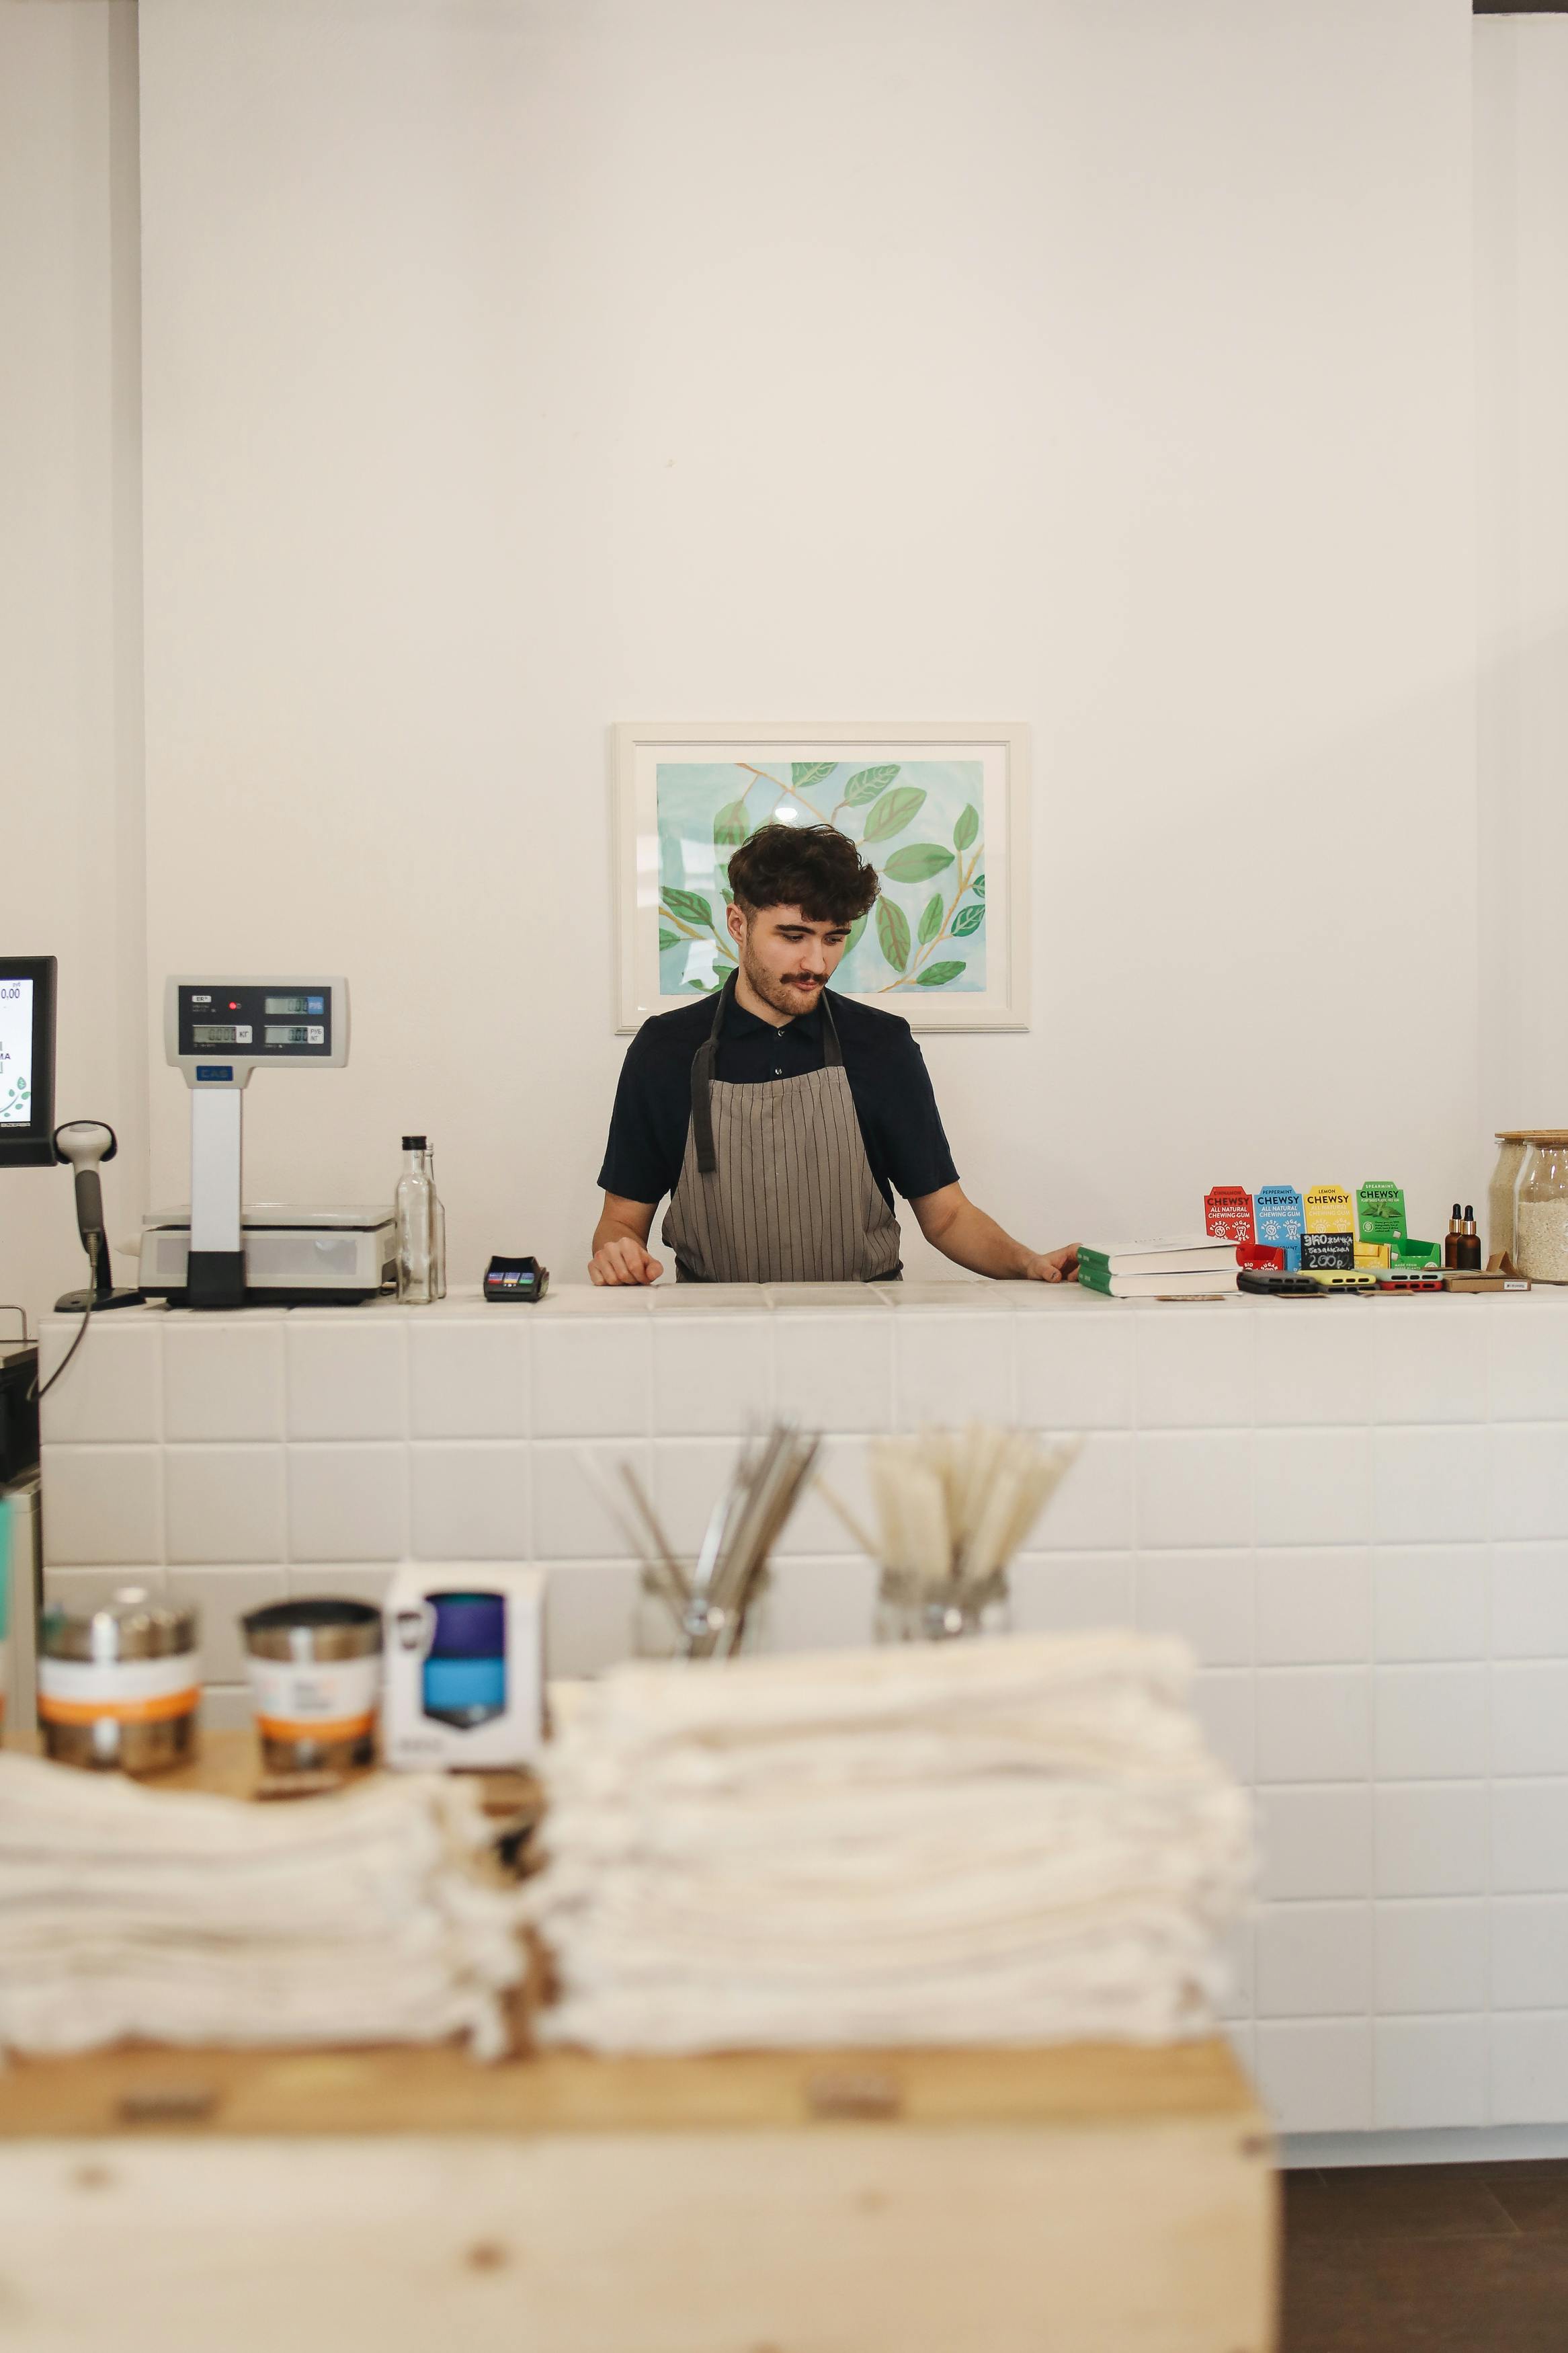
<point x="1356" y="1511"/>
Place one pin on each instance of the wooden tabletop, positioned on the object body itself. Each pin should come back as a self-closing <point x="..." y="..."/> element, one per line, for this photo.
<point x="228" y="1764"/>
<point x="444" y="2091"/>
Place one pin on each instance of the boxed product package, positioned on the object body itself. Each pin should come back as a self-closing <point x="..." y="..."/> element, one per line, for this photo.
<point x="464" y="1661"/>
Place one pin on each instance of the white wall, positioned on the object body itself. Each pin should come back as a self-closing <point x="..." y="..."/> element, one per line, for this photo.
<point x="513" y="369"/>
<point x="1521" y="235"/>
<point x="71" y="657"/>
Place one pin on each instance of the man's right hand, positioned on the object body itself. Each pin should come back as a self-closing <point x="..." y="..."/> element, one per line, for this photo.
<point x="623" y="1261"/>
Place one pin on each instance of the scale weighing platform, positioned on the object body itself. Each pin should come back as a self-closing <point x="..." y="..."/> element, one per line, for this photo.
<point x="216" y="1253"/>
<point x="293" y="1258"/>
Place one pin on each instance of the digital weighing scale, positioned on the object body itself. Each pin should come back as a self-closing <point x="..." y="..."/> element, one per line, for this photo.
<point x="216" y="1253"/>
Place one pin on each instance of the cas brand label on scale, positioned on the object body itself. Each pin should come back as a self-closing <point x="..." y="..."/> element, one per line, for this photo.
<point x="1279" y="1216"/>
<point x="1227" y="1214"/>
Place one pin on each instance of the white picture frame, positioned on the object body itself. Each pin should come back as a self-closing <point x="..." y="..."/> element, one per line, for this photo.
<point x="670" y="793"/>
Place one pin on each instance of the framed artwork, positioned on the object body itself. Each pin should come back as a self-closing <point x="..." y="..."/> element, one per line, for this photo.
<point x="942" y="812"/>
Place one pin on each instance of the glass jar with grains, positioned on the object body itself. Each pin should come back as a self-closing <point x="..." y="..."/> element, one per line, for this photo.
<point x="1513" y="1143"/>
<point x="1540" y="1210"/>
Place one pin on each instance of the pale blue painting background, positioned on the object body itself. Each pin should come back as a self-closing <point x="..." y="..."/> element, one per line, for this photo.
<point x="690" y="794"/>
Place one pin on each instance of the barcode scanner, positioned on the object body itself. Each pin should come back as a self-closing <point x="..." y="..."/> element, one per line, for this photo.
<point x="85" y="1144"/>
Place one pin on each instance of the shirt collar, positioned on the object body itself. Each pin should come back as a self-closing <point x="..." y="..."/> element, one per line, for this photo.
<point x="739" y="1023"/>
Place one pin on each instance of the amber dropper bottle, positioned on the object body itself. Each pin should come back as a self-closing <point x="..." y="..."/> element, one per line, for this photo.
<point x="1452" y="1238"/>
<point x="1469" y="1243"/>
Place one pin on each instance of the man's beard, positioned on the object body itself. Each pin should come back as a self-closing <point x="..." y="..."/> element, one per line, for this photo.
<point x="770" y="990"/>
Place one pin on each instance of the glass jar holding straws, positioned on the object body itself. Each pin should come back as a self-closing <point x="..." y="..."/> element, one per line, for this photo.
<point x="951" y="1508"/>
<point x="714" y="1608"/>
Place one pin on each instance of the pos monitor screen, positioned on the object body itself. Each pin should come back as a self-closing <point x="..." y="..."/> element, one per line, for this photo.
<point x="27" y="1061"/>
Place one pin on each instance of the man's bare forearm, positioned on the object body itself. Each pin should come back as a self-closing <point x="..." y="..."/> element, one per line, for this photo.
<point x="971" y="1238"/>
<point x="952" y="1224"/>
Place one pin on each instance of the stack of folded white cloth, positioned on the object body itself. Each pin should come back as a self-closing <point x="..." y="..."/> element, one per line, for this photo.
<point x="1017" y="1841"/>
<point x="366" y="1916"/>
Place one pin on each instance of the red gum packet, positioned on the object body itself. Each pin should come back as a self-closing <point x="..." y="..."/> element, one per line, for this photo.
<point x="1227" y="1214"/>
<point x="1260" y="1254"/>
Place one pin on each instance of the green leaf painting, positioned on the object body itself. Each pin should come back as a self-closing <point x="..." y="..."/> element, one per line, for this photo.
<point x="865" y="787"/>
<point x="918" y="862"/>
<point x="918" y="822"/>
<point x="688" y="905"/>
<point x="893" y="930"/>
<point x="890" y="812"/>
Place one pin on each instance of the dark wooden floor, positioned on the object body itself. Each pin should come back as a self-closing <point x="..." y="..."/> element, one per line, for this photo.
<point x="1442" y="2258"/>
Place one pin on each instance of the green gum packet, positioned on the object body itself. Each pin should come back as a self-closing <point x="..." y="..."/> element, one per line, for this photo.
<point x="1380" y="1211"/>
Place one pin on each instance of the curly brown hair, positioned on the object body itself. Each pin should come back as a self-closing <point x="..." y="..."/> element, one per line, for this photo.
<point x="813" y="866"/>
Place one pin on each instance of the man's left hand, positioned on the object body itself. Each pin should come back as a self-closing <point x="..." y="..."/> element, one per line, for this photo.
<point x="1053" y="1266"/>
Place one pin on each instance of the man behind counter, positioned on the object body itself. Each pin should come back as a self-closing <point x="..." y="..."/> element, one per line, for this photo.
<point x="781" y="1120"/>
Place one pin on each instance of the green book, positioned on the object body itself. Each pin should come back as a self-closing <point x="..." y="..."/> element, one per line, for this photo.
<point x="1183" y="1282"/>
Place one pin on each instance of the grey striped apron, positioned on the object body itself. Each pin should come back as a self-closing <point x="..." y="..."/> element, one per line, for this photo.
<point x="776" y="1186"/>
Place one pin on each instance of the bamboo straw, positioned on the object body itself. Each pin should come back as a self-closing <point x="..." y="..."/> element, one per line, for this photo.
<point x="954" y="1506"/>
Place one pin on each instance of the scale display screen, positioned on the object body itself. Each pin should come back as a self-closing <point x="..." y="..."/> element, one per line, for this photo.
<point x="255" y="1020"/>
<point x="16" y="1051"/>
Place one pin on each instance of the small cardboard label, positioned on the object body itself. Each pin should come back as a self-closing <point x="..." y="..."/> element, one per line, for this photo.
<point x="1276" y="1214"/>
<point x="1328" y="1210"/>
<point x="1327" y="1253"/>
<point x="1380" y="1211"/>
<point x="1227" y="1214"/>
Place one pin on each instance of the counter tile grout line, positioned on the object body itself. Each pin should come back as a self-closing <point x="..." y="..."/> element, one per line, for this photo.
<point x="1490" y="1892"/>
<point x="1134" y="1469"/>
<point x="159" y="1472"/>
<point x="1371" y="1784"/>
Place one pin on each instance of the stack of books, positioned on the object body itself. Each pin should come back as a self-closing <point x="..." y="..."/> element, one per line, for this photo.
<point x="1182" y="1266"/>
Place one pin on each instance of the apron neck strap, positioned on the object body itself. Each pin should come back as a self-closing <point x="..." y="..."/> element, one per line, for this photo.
<point x="832" y="1051"/>
<point x="705" y="1062"/>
